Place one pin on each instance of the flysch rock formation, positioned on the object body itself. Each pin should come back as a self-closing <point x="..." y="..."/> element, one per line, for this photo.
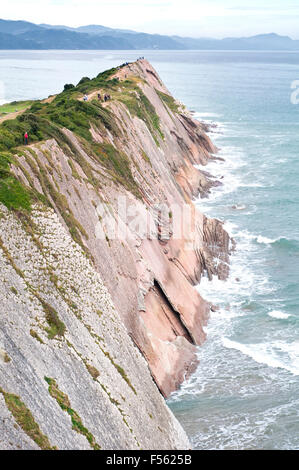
<point x="95" y="328"/>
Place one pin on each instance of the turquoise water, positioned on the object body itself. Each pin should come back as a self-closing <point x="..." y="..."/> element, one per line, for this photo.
<point x="245" y="393"/>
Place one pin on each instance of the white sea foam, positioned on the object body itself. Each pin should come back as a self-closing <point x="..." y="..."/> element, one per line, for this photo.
<point x="242" y="279"/>
<point x="227" y="172"/>
<point x="252" y="185"/>
<point x="198" y="115"/>
<point x="278" y="314"/>
<point x="243" y="236"/>
<point x="230" y="227"/>
<point x="269" y="241"/>
<point x="270" y="353"/>
<point x="234" y="378"/>
<point x="265" y="240"/>
<point x="234" y="431"/>
<point x="235" y="298"/>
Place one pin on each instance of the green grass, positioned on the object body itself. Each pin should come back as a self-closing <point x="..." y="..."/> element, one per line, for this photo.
<point x="59" y="200"/>
<point x="12" y="193"/>
<point x="36" y="336"/>
<point x="46" y="120"/>
<point x="169" y="101"/>
<point x="64" y="403"/>
<point x="140" y="106"/>
<point x="145" y="157"/>
<point x="120" y="370"/>
<point x="56" y="326"/>
<point x="6" y="358"/>
<point x="25" y="420"/>
<point x="117" y="164"/>
<point x="14" y="106"/>
<point x="43" y="121"/>
<point x="75" y="174"/>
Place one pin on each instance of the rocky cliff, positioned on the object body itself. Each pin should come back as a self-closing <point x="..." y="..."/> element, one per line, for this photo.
<point x="100" y="249"/>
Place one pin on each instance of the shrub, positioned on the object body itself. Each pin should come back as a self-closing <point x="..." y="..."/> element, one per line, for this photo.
<point x="68" y="86"/>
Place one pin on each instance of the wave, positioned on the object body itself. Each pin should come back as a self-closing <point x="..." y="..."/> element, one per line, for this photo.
<point x="252" y="185"/>
<point x="278" y="314"/>
<point x="287" y="243"/>
<point x="270" y="340"/>
<point x="265" y="240"/>
<point x="225" y="172"/>
<point x="281" y="242"/>
<point x="207" y="114"/>
<point x="267" y="353"/>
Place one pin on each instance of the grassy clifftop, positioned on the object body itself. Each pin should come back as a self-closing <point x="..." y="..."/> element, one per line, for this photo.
<point x="47" y="119"/>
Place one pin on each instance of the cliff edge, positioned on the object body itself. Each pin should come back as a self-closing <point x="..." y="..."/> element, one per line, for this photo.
<point x="100" y="249"/>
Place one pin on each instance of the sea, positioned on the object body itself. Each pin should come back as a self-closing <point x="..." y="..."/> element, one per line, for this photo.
<point x="245" y="391"/>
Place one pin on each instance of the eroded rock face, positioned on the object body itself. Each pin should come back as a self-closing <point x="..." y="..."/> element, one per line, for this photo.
<point x="164" y="173"/>
<point x="94" y="362"/>
<point x="142" y="279"/>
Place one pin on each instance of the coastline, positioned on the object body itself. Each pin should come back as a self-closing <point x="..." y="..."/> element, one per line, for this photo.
<point x="153" y="150"/>
<point x="207" y="284"/>
<point x="218" y="405"/>
<point x="249" y="364"/>
<point x="217" y="291"/>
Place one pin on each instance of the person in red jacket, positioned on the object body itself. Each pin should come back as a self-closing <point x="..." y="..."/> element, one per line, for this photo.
<point x="26" y="138"/>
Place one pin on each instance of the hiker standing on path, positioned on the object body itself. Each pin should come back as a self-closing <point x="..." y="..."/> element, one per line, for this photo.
<point x="26" y="138"/>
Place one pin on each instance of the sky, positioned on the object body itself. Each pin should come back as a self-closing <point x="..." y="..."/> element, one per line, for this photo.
<point x="193" y="18"/>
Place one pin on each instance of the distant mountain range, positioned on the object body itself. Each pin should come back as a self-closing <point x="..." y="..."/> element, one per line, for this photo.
<point x="25" y="35"/>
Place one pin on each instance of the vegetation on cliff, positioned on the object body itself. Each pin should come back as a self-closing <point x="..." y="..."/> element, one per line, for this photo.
<point x="169" y="101"/>
<point x="25" y="420"/>
<point x="82" y="155"/>
<point x="47" y="119"/>
<point x="14" y="106"/>
<point x="64" y="403"/>
<point x="12" y="193"/>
